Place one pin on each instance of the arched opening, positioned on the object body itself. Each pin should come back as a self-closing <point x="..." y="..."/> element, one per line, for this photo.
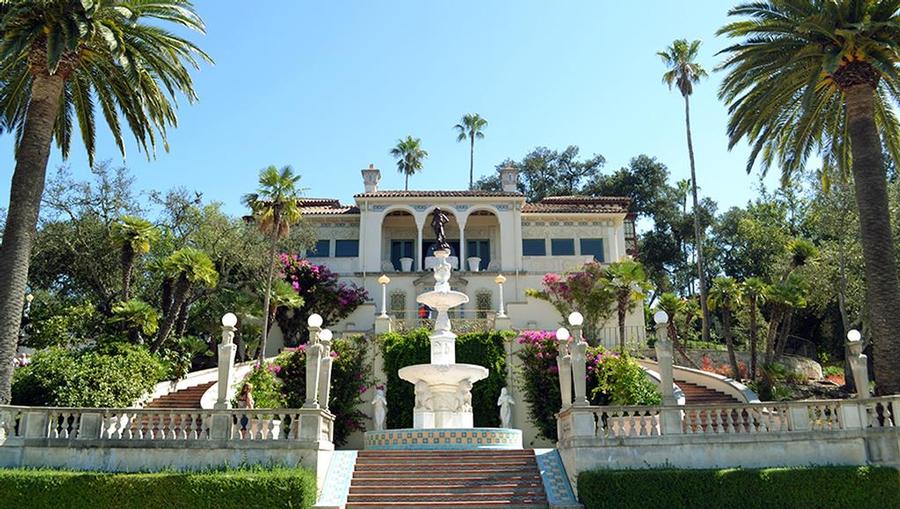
<point x="398" y="237"/>
<point x="482" y="241"/>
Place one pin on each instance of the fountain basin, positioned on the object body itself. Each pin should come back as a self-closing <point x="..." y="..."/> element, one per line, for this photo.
<point x="443" y="393"/>
<point x="442" y="299"/>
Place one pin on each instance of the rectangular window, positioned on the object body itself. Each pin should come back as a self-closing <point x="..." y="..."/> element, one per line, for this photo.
<point x="534" y="247"/>
<point x="401" y="249"/>
<point x="481" y="249"/>
<point x="322" y="249"/>
<point x="562" y="247"/>
<point x="593" y="247"/>
<point x="346" y="248"/>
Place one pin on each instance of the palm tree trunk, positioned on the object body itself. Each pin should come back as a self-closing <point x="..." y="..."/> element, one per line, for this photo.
<point x="882" y="291"/>
<point x="777" y="313"/>
<point x="179" y="295"/>
<point x="754" y="338"/>
<point x="471" y="160"/>
<point x="127" y="269"/>
<point x="406" y="184"/>
<point x="698" y="235"/>
<point x="21" y="220"/>
<point x="622" y="308"/>
<point x="267" y="298"/>
<point x="785" y="332"/>
<point x="729" y="342"/>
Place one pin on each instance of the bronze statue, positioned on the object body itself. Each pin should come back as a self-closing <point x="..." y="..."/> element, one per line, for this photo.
<point x="438" y="220"/>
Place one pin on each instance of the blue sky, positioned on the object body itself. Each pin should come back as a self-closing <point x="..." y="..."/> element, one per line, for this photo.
<point x="329" y="87"/>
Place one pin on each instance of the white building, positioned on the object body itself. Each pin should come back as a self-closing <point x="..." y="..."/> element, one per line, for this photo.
<point x="490" y="232"/>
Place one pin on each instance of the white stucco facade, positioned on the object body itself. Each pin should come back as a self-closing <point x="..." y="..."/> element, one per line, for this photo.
<point x="523" y="241"/>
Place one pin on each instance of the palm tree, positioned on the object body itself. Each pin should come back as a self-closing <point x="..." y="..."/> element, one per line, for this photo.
<point x="684" y="72"/>
<point x="725" y="296"/>
<point x="137" y="317"/>
<point x="60" y="61"/>
<point x="675" y="307"/>
<point x="133" y="235"/>
<point x="471" y="126"/>
<point x="409" y="154"/>
<point x="820" y="77"/>
<point x="186" y="268"/>
<point x="629" y="283"/>
<point x="755" y="291"/>
<point x="275" y="209"/>
<point x="283" y="296"/>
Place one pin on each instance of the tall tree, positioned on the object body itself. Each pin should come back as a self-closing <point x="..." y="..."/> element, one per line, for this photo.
<point x="470" y="127"/>
<point x="186" y="268"/>
<point x="133" y="235"/>
<point x="410" y="155"/>
<point x="684" y="72"/>
<point x="816" y="76"/>
<point x="629" y="284"/>
<point x="58" y="59"/>
<point x="755" y="291"/>
<point x="725" y="296"/>
<point x="275" y="209"/>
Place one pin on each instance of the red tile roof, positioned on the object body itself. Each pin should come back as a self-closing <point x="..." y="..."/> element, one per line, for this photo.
<point x="325" y="207"/>
<point x="579" y="204"/>
<point x="438" y="194"/>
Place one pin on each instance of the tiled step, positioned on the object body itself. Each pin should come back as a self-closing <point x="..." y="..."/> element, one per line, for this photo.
<point x="188" y="397"/>
<point x="698" y="395"/>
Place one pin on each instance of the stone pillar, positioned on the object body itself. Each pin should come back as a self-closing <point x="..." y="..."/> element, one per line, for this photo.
<point x="313" y="364"/>
<point x="670" y="415"/>
<point x="325" y="372"/>
<point x="383" y="324"/>
<point x="90" y="425"/>
<point x="418" y="254"/>
<point x="227" y="350"/>
<point x="220" y="428"/>
<point x="858" y="364"/>
<point x="463" y="265"/>
<point x="564" y="365"/>
<point x="579" y="367"/>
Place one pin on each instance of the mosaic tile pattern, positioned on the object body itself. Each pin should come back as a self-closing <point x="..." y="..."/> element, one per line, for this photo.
<point x="556" y="482"/>
<point x="337" y="480"/>
<point x="440" y="439"/>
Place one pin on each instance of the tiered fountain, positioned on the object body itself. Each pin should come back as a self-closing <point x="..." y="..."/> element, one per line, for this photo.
<point x="442" y="418"/>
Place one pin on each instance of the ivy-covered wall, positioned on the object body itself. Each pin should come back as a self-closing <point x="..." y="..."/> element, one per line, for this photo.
<point x="480" y="348"/>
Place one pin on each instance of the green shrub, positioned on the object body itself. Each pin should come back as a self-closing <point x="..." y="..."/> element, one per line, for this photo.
<point x="266" y="387"/>
<point x="622" y="381"/>
<point x="112" y="375"/>
<point x="770" y="488"/>
<point x="237" y="489"/>
<point x="480" y="348"/>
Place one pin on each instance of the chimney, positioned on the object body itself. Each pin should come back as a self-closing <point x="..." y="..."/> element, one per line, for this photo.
<point x="509" y="179"/>
<point x="371" y="177"/>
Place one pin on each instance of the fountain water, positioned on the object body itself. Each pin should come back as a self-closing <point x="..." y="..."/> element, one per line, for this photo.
<point x="443" y="387"/>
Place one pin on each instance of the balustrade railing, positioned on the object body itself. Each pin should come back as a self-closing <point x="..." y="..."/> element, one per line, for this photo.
<point x="120" y="425"/>
<point x="614" y="422"/>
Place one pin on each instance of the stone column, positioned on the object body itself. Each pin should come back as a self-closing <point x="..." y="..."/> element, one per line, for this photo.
<point x="858" y="364"/>
<point x="564" y="365"/>
<point x="579" y="367"/>
<point x="670" y="416"/>
<point x="313" y="364"/>
<point x="417" y="256"/>
<point x="227" y="349"/>
<point x="325" y="371"/>
<point x="463" y="265"/>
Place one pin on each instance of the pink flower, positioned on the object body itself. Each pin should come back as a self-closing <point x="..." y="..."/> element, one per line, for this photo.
<point x="551" y="279"/>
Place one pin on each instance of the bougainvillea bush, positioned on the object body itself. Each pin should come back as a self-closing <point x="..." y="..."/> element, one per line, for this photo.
<point x="322" y="293"/>
<point x="585" y="290"/>
<point x="612" y="379"/>
<point x="283" y="384"/>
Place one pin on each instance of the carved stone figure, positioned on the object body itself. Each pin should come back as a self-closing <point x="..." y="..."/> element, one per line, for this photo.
<point x="438" y="220"/>
<point x="423" y="396"/>
<point x="380" y="404"/>
<point x="505" y="402"/>
<point x="465" y="396"/>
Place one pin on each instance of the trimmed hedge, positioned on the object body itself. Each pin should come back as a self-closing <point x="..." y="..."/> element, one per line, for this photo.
<point x="237" y="489"/>
<point x="480" y="348"/>
<point x="770" y="488"/>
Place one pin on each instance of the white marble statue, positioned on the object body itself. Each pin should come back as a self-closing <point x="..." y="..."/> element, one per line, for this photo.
<point x="465" y="396"/>
<point x="505" y="402"/>
<point x="423" y="396"/>
<point x="380" y="404"/>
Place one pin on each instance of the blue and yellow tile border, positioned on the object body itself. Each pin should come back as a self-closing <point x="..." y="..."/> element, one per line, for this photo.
<point x="443" y="439"/>
<point x="337" y="480"/>
<point x="556" y="483"/>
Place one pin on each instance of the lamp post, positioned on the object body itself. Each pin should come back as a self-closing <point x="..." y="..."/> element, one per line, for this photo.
<point x="384" y="281"/>
<point x="664" y="358"/>
<point x="227" y="349"/>
<point x="500" y="279"/>
<point x="858" y="363"/>
<point x="579" y="360"/>
<point x="313" y="361"/>
<point x="325" y="375"/>
<point x="564" y="365"/>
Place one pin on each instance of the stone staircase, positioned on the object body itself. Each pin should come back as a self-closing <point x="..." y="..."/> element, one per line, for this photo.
<point x="188" y="397"/>
<point x="698" y="395"/>
<point x="447" y="479"/>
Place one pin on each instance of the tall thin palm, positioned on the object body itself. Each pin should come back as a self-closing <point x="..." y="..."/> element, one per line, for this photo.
<point x="725" y="296"/>
<point x="133" y="235"/>
<point x="629" y="283"/>
<point x="755" y="291"/>
<point x="470" y="127"/>
<point x="684" y="72"/>
<point x="817" y="77"/>
<point x="410" y="155"/>
<point x="275" y="209"/>
<point x="61" y="61"/>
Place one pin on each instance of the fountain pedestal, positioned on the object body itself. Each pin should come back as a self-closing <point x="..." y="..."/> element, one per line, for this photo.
<point x="443" y="388"/>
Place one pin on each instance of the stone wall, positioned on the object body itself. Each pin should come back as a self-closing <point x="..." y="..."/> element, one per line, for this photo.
<point x="808" y="367"/>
